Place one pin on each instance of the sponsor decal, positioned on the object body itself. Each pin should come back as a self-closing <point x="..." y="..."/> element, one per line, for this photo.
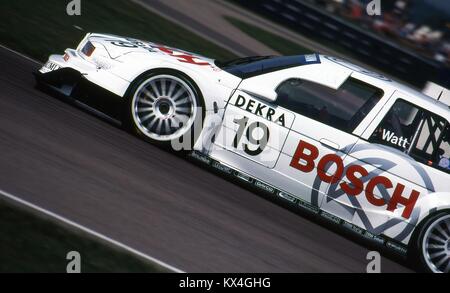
<point x="222" y="167"/>
<point x="363" y="233"/>
<point x="264" y="186"/>
<point x="390" y="137"/>
<point x="374" y="238"/>
<point x="181" y="56"/>
<point x="306" y="159"/>
<point x="335" y="192"/>
<point x="330" y="217"/>
<point x="242" y="176"/>
<point x="397" y="247"/>
<point x="353" y="228"/>
<point x="286" y="196"/>
<point x="259" y="109"/>
<point x="201" y="158"/>
<point x="307" y="206"/>
<point x="51" y="66"/>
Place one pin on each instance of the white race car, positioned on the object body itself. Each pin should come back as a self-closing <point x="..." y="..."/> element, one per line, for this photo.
<point x="345" y="144"/>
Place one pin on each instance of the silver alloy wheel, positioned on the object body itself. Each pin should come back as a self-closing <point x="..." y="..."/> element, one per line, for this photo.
<point x="164" y="107"/>
<point x="436" y="245"/>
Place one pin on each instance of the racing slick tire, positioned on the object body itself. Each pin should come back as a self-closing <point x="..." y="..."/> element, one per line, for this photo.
<point x="166" y="108"/>
<point x="431" y="244"/>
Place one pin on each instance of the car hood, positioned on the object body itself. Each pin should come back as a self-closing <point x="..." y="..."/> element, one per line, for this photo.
<point x="118" y="46"/>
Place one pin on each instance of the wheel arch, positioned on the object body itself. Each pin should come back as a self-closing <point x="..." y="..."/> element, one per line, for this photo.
<point x="432" y="203"/>
<point x="414" y="245"/>
<point x="429" y="205"/>
<point x="166" y="70"/>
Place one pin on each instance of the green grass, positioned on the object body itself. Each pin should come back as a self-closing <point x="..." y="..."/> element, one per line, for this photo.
<point x="275" y="42"/>
<point x="32" y="243"/>
<point x="40" y="28"/>
<point x="283" y="45"/>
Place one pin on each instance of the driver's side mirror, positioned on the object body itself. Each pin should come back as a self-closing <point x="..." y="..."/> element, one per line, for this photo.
<point x="263" y="91"/>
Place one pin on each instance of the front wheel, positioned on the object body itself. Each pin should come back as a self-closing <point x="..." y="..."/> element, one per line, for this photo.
<point x="165" y="106"/>
<point x="432" y="245"/>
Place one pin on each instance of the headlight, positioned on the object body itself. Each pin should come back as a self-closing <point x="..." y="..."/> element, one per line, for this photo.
<point x="88" y="49"/>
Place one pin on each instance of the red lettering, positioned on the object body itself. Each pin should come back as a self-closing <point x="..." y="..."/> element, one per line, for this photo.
<point x="323" y="164"/>
<point x="301" y="155"/>
<point x="190" y="59"/>
<point x="304" y="160"/>
<point x="358" y="185"/>
<point x="397" y="198"/>
<point x="379" y="180"/>
<point x="165" y="50"/>
<point x="185" y="58"/>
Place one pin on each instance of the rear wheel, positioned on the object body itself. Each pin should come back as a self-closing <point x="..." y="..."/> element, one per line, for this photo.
<point x="164" y="106"/>
<point x="433" y="243"/>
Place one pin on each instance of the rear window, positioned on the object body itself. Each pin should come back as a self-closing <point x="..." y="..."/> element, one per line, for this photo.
<point x="343" y="108"/>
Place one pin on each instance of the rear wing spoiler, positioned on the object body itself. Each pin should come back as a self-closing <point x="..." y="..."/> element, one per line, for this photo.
<point x="437" y="92"/>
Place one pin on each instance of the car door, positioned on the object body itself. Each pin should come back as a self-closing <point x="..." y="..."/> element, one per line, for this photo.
<point x="390" y="168"/>
<point x="253" y="130"/>
<point x="322" y="134"/>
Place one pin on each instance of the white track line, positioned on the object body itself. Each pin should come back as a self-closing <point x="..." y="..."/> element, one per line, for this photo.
<point x="89" y="231"/>
<point x="74" y="224"/>
<point x="20" y="54"/>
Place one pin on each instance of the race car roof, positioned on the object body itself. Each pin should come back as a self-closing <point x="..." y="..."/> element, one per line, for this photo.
<point x="253" y="66"/>
<point x="389" y="85"/>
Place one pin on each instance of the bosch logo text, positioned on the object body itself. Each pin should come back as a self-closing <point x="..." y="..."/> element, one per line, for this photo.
<point x="305" y="160"/>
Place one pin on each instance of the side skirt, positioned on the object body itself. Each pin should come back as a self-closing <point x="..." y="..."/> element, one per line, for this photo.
<point x="379" y="241"/>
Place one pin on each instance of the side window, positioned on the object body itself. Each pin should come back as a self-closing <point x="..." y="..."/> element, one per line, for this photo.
<point x="343" y="108"/>
<point x="422" y="135"/>
<point x="398" y="126"/>
<point x="432" y="143"/>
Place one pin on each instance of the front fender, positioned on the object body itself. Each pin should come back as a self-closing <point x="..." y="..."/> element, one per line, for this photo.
<point x="216" y="86"/>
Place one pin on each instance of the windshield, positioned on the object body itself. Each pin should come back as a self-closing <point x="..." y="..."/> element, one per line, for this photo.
<point x="257" y="65"/>
<point x="241" y="61"/>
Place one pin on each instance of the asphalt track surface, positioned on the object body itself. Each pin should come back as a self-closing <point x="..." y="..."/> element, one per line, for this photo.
<point x="65" y="160"/>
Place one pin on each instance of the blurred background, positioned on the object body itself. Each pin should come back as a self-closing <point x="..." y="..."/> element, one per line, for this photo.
<point x="420" y="25"/>
<point x="408" y="40"/>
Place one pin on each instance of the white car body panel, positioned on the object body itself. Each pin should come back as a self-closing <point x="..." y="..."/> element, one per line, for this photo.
<point x="114" y="68"/>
